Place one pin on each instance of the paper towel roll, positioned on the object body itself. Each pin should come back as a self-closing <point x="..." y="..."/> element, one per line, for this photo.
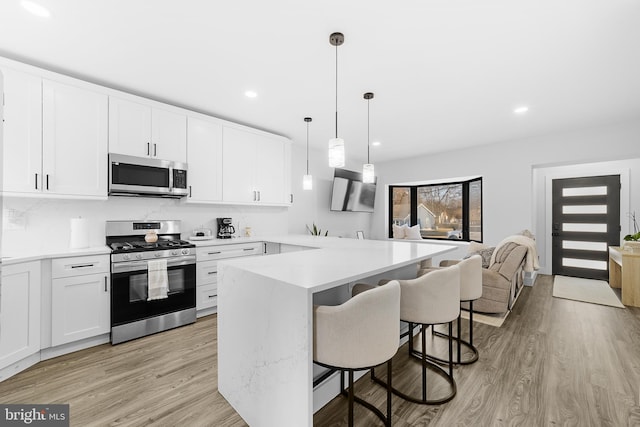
<point x="79" y="233"/>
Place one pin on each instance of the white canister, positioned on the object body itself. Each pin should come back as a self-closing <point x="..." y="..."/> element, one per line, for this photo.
<point x="79" y="233"/>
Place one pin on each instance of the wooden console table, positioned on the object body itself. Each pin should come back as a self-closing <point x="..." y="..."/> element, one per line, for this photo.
<point x="624" y="272"/>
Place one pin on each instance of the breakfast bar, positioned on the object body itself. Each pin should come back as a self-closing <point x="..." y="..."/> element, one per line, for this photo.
<point x="265" y="313"/>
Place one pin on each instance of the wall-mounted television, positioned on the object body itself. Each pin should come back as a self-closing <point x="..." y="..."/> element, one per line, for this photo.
<point x="350" y="193"/>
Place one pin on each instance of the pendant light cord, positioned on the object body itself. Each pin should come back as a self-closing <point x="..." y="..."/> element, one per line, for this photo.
<point x="336" y="91"/>
<point x="307" y="148"/>
<point x="368" y="130"/>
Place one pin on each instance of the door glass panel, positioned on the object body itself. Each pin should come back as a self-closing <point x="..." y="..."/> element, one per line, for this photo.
<point x="584" y="191"/>
<point x="584" y="246"/>
<point x="585" y="228"/>
<point x="584" y="263"/>
<point x="584" y="209"/>
<point x="401" y="205"/>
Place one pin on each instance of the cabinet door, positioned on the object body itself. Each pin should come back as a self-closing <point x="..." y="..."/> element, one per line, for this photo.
<point x="74" y="140"/>
<point x="129" y="128"/>
<point x="237" y="170"/>
<point x="19" y="312"/>
<point x="168" y="135"/>
<point x="204" y="156"/>
<point x="22" y="166"/>
<point x="269" y="170"/>
<point x="79" y="308"/>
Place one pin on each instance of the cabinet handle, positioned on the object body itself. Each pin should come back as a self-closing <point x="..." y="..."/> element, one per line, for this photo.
<point x="154" y="150"/>
<point x="36" y="181"/>
<point x="82" y="265"/>
<point x="105" y="283"/>
<point x="254" y="195"/>
<point x="213" y="253"/>
<point x="212" y="296"/>
<point x="291" y="197"/>
<point x="148" y="149"/>
<point x="212" y="272"/>
<point x="47" y="181"/>
<point x="189" y="191"/>
<point x="249" y="249"/>
<point x="258" y="196"/>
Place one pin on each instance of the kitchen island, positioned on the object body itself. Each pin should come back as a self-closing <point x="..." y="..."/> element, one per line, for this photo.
<point x="265" y="313"/>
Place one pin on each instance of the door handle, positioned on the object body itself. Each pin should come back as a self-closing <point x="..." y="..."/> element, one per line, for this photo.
<point x="148" y="149"/>
<point x="105" y="283"/>
<point x="554" y="234"/>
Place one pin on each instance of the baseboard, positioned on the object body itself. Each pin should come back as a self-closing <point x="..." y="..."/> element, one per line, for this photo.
<point x="51" y="352"/>
<point x="530" y="278"/>
<point x="19" y="366"/>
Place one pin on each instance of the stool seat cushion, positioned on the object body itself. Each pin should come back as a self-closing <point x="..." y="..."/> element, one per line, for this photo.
<point x="360" y="333"/>
<point x="432" y="298"/>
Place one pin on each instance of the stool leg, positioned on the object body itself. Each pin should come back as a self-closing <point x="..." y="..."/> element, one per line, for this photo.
<point x="388" y="423"/>
<point x="471" y="323"/>
<point x="351" y="398"/>
<point x="341" y="381"/>
<point x="451" y="349"/>
<point x="424" y="364"/>
<point x="410" y="337"/>
<point x="459" y="336"/>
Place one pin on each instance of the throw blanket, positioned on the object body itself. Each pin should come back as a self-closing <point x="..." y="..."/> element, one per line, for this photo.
<point x="531" y="260"/>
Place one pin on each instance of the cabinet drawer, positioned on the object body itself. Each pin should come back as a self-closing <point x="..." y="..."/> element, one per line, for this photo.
<point x="206" y="272"/>
<point x="78" y="266"/>
<point x="228" y="251"/>
<point x="207" y="296"/>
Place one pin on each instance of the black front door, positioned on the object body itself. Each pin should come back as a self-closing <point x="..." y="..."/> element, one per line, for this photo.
<point x="585" y="222"/>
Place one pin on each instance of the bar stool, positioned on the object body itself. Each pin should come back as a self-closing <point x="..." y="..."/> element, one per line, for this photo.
<point x="359" y="334"/>
<point x="470" y="290"/>
<point x="431" y="299"/>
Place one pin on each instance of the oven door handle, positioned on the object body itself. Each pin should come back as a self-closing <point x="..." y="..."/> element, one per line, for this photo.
<point x="129" y="266"/>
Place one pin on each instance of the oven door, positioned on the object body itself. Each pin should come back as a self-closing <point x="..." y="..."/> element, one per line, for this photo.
<point x="129" y="286"/>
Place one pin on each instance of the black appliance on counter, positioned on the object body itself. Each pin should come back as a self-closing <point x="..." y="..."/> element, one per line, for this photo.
<point x="225" y="229"/>
<point x="132" y="315"/>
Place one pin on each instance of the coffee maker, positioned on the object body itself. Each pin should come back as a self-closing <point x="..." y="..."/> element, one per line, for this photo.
<point x="225" y="229"/>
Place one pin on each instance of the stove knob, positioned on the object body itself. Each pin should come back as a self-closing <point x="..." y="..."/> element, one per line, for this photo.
<point x="139" y="256"/>
<point x="157" y="254"/>
<point x="126" y="257"/>
<point x="185" y="252"/>
<point x="174" y="253"/>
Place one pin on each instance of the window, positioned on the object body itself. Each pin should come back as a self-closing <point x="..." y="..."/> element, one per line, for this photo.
<point x="451" y="210"/>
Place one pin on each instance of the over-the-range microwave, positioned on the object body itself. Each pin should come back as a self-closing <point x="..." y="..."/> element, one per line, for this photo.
<point x="141" y="176"/>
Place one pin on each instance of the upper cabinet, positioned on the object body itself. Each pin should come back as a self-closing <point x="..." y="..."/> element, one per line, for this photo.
<point x="255" y="168"/>
<point x="142" y="130"/>
<point x="74" y="140"/>
<point x="204" y="157"/>
<point x="55" y="139"/>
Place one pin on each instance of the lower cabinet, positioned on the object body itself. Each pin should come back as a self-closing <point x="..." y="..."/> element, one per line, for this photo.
<point x="207" y="270"/>
<point x="19" y="312"/>
<point x="80" y="298"/>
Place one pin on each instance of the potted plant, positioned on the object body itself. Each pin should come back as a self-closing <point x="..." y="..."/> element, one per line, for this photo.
<point x="632" y="241"/>
<point x="315" y="231"/>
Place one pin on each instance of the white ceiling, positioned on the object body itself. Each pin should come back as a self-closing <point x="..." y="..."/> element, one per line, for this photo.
<point x="446" y="74"/>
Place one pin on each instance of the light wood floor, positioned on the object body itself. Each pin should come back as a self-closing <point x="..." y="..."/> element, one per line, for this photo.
<point x="553" y="362"/>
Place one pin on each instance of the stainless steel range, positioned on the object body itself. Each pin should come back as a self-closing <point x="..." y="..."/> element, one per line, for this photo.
<point x="153" y="278"/>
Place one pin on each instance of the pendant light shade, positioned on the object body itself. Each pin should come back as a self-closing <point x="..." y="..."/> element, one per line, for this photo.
<point x="368" y="173"/>
<point x="307" y="180"/>
<point x="336" y="145"/>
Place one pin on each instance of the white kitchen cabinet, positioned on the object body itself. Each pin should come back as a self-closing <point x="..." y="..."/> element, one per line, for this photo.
<point x="74" y="140"/>
<point x="139" y="129"/>
<point x="255" y="168"/>
<point x="19" y="312"/>
<point x="55" y="138"/>
<point x="204" y="156"/>
<point x="207" y="258"/>
<point x="80" y="298"/>
<point x="22" y="167"/>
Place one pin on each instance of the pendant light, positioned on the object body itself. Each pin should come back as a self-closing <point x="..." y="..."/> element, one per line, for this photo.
<point x="336" y="145"/>
<point x="368" y="175"/>
<point x="307" y="180"/>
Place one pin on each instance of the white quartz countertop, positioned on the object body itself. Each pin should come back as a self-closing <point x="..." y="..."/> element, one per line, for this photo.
<point x="17" y="257"/>
<point x="334" y="260"/>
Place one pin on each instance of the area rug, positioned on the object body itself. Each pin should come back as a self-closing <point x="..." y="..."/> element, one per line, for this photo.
<point x="585" y="290"/>
<point x="488" y="319"/>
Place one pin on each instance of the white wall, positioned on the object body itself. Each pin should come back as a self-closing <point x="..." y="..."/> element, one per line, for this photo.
<point x="507" y="172"/>
<point x="314" y="206"/>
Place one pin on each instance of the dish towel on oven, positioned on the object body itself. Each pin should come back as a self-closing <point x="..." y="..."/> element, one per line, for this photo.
<point x="157" y="279"/>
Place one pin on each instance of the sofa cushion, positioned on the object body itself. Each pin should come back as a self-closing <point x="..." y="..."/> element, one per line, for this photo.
<point x="399" y="231"/>
<point x="484" y="253"/>
<point x="413" y="233"/>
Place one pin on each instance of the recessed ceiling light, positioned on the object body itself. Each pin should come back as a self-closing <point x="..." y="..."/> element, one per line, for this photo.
<point x="521" y="110"/>
<point x="250" y="94"/>
<point x="376" y="143"/>
<point x="35" y="9"/>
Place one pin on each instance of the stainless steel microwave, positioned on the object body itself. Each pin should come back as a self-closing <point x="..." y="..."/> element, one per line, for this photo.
<point x="141" y="176"/>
